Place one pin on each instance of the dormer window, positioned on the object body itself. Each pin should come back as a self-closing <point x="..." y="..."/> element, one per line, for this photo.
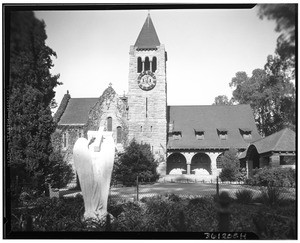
<point x="171" y="127"/>
<point x="199" y="135"/>
<point x="246" y="133"/>
<point x="222" y="133"/>
<point x="177" y="135"/>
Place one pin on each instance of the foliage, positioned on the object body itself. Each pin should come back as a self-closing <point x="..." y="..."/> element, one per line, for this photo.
<point x="270" y="195"/>
<point x="137" y="160"/>
<point x="230" y="166"/>
<point x="222" y="100"/>
<point x="271" y="96"/>
<point x="270" y="92"/>
<point x="157" y="214"/>
<point x="244" y="196"/>
<point x="275" y="176"/>
<point x="61" y="173"/>
<point x="30" y="95"/>
<point x="285" y="17"/>
<point x="62" y="107"/>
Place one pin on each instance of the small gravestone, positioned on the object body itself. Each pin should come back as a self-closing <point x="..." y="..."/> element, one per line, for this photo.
<point x="93" y="160"/>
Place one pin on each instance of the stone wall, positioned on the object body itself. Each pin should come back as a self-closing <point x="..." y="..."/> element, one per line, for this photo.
<point x="72" y="133"/>
<point x="109" y="105"/>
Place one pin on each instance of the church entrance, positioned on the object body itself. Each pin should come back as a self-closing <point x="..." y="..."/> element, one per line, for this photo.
<point x="201" y="164"/>
<point x="176" y="164"/>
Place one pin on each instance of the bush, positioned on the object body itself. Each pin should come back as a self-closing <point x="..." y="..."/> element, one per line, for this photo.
<point x="137" y="160"/>
<point x="61" y="173"/>
<point x="231" y="166"/>
<point x="270" y="195"/>
<point x="273" y="177"/>
<point x="173" y="197"/>
<point x="244" y="196"/>
<point x="155" y="214"/>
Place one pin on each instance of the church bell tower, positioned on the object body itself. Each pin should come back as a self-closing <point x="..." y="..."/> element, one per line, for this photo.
<point x="147" y="91"/>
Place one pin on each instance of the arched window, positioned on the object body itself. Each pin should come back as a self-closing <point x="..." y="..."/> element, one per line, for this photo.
<point x="109" y="124"/>
<point x="119" y="134"/>
<point x="147" y="64"/>
<point x="154" y="64"/>
<point x="139" y="65"/>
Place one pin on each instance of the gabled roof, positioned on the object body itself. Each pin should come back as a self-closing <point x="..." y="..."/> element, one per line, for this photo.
<point x="282" y="141"/>
<point x="77" y="110"/>
<point x="209" y="119"/>
<point x="147" y="38"/>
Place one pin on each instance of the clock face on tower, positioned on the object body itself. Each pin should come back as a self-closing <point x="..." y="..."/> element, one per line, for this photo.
<point x="146" y="80"/>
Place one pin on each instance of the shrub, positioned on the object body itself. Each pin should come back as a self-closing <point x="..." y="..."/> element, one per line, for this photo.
<point x="244" y="196"/>
<point x="198" y="201"/>
<point x="137" y="160"/>
<point x="270" y="195"/>
<point x="61" y="172"/>
<point x="273" y="177"/>
<point x="231" y="166"/>
<point x="173" y="197"/>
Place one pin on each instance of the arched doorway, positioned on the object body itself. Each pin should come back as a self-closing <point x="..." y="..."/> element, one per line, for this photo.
<point x="219" y="161"/>
<point x="201" y="164"/>
<point x="252" y="159"/>
<point x="176" y="164"/>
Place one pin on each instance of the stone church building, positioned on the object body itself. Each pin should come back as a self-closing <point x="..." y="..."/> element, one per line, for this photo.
<point x="184" y="139"/>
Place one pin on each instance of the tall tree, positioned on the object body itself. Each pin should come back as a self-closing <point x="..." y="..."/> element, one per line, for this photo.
<point x="270" y="92"/>
<point x="271" y="98"/>
<point x="222" y="100"/>
<point x="30" y="94"/>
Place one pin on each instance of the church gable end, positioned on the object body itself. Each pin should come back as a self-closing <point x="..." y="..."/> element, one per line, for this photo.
<point x="109" y="112"/>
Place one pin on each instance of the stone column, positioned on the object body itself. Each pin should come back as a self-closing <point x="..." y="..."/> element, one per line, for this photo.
<point x="275" y="160"/>
<point x="143" y="65"/>
<point x="188" y="157"/>
<point x="249" y="168"/>
<point x="188" y="167"/>
<point x="150" y="65"/>
<point x="213" y="159"/>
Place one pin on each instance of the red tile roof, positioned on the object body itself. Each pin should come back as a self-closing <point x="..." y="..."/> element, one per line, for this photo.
<point x="77" y="111"/>
<point x="209" y="119"/>
<point x="147" y="38"/>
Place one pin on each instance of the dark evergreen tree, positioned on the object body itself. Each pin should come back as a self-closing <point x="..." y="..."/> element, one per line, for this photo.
<point x="30" y="95"/>
<point x="230" y="166"/>
<point x="137" y="160"/>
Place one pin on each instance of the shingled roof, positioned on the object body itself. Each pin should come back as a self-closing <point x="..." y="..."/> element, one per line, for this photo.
<point x="77" y="111"/>
<point x="282" y="141"/>
<point x="147" y="38"/>
<point x="211" y="120"/>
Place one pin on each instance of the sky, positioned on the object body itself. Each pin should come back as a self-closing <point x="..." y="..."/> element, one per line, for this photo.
<point x="205" y="49"/>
